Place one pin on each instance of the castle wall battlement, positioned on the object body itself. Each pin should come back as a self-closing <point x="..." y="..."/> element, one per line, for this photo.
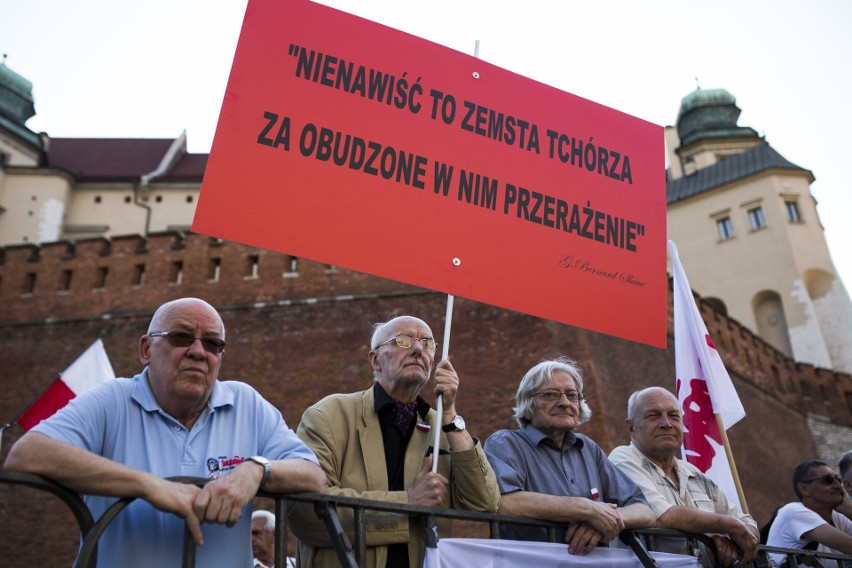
<point x="104" y="278"/>
<point x="128" y="274"/>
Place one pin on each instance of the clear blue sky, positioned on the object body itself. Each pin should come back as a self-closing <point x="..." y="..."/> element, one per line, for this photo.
<point x="102" y="68"/>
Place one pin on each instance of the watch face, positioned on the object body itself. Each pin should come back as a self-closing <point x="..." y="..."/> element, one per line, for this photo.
<point x="458" y="421"/>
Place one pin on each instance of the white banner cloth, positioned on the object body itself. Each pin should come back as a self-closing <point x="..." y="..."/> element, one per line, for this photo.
<point x="496" y="553"/>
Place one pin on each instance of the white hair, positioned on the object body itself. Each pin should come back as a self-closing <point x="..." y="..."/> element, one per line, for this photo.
<point x="634" y="403"/>
<point x="267" y="516"/>
<point x="539" y="375"/>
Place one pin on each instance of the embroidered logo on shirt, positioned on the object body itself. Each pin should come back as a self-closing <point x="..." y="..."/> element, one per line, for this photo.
<point x="220" y="465"/>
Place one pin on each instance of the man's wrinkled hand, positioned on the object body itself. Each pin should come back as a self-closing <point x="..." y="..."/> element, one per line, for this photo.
<point x="429" y="489"/>
<point x="222" y="500"/>
<point x="604" y="518"/>
<point x="729" y="553"/>
<point x="177" y="498"/>
<point x="582" y="538"/>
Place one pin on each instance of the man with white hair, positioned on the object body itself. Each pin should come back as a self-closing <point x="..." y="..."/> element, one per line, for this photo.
<point x="548" y="471"/>
<point x="262" y="539"/>
<point x="680" y="495"/>
<point x="377" y="444"/>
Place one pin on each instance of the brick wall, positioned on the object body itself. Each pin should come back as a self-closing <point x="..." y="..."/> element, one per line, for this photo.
<point x="301" y="336"/>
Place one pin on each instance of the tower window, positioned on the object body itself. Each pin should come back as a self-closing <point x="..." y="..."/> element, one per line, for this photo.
<point x="793" y="214"/>
<point x="756" y="219"/>
<point x="724" y="228"/>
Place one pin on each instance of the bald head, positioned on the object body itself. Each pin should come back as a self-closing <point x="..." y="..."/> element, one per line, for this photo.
<point x="163" y="312"/>
<point x="654" y="423"/>
<point x="638" y="399"/>
<point x="402" y="371"/>
<point x="385" y="330"/>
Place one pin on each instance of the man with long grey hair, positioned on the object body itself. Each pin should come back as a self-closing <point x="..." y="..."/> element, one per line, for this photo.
<point x="547" y="471"/>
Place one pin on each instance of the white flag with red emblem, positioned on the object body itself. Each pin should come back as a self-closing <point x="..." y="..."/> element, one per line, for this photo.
<point x="704" y="387"/>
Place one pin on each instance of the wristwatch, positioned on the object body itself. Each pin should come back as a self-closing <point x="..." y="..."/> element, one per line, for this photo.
<point x="265" y="464"/>
<point x="457" y="425"/>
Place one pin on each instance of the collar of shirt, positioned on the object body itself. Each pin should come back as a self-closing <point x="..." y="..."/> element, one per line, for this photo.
<point x="383" y="400"/>
<point x="537" y="437"/>
<point x="681" y="470"/>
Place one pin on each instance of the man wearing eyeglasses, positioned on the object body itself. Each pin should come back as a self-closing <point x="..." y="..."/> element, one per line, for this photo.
<point x="681" y="497"/>
<point x="821" y="517"/>
<point x="547" y="471"/>
<point x="377" y="444"/>
<point x="124" y="437"/>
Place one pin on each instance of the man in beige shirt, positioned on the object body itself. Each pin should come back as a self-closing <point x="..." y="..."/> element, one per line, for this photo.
<point x="680" y="495"/>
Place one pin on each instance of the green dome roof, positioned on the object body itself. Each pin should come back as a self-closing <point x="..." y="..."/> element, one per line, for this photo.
<point x="16" y="95"/>
<point x="711" y="113"/>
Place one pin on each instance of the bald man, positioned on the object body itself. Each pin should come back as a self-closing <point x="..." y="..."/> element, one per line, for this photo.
<point x="680" y="495"/>
<point x="175" y="418"/>
<point x="377" y="444"/>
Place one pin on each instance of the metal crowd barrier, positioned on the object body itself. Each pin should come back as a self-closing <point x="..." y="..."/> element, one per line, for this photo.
<point x="354" y="554"/>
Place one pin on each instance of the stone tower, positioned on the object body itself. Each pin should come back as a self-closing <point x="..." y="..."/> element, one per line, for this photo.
<point x="749" y="236"/>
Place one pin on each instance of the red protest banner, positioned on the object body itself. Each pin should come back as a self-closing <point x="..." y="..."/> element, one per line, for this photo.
<point x="354" y="144"/>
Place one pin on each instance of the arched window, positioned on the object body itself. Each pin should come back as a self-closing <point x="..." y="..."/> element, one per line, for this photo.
<point x="771" y="321"/>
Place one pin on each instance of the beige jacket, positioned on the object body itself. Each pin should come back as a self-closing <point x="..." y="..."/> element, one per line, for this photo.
<point x="344" y="431"/>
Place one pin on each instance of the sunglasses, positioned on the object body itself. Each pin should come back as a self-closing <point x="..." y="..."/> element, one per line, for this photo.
<point x="183" y="339"/>
<point x="825" y="479"/>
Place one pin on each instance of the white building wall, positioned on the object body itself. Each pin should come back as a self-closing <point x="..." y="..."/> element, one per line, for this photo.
<point x="806" y="338"/>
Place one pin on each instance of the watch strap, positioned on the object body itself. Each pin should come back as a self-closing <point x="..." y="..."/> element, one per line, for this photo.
<point x="453" y="426"/>
<point x="267" y="467"/>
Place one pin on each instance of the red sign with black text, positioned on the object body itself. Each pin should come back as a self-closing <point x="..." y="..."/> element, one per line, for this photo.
<point x="354" y="144"/>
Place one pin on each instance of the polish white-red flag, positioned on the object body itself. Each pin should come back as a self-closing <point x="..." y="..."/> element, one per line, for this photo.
<point x="89" y="369"/>
<point x="704" y="387"/>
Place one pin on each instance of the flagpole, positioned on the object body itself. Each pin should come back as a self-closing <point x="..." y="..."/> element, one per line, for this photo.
<point x="24" y="409"/>
<point x="9" y="424"/>
<point x="721" y="425"/>
<point x="439" y="404"/>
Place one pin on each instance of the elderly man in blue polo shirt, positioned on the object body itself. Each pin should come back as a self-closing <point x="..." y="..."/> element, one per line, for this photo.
<point x="547" y="471"/>
<point x="122" y="438"/>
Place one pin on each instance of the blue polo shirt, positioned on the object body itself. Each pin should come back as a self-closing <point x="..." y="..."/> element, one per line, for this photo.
<point x="527" y="460"/>
<point x="121" y="420"/>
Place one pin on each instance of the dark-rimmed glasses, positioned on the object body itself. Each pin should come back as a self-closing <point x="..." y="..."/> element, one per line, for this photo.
<point x="827" y="479"/>
<point x="406" y="342"/>
<point x="182" y="339"/>
<point x="553" y="395"/>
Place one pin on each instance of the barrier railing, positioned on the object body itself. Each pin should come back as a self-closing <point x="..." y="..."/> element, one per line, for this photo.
<point x="354" y="554"/>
